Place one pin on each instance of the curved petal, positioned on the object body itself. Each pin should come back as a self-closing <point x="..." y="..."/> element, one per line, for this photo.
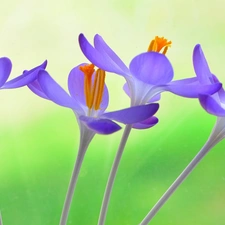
<point x="100" y="60"/>
<point x="55" y="92"/>
<point x="26" y="78"/>
<point x="192" y="80"/>
<point x="100" y="126"/>
<point x="36" y="88"/>
<point x="5" y="69"/>
<point x="150" y="122"/>
<point x="211" y="105"/>
<point x="201" y="66"/>
<point x="192" y="91"/>
<point x="106" y="51"/>
<point x="133" y="114"/>
<point x="152" y="68"/>
<point x="76" y="88"/>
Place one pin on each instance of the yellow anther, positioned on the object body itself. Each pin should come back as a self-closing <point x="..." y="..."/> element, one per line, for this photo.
<point x="158" y="44"/>
<point x="93" y="90"/>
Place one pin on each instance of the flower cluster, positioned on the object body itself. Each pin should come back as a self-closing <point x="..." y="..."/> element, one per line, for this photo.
<point x="148" y="75"/>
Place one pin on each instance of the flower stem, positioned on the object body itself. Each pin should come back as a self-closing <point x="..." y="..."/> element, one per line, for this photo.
<point x="85" y="139"/>
<point x="205" y="149"/>
<point x="112" y="175"/>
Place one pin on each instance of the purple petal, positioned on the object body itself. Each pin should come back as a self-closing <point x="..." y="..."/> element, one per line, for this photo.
<point x="201" y="66"/>
<point x="152" y="68"/>
<point x="36" y="88"/>
<point x="76" y="88"/>
<point x="26" y="78"/>
<point x="192" y="91"/>
<point x="133" y="114"/>
<point x="5" y="69"/>
<point x="55" y="92"/>
<point x="107" y="52"/>
<point x="211" y="105"/>
<point x="100" y="60"/>
<point x="100" y="126"/>
<point x="192" y="80"/>
<point x="150" y="122"/>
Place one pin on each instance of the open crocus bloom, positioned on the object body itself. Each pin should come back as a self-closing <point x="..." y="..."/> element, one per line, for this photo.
<point x="149" y="73"/>
<point x="22" y="80"/>
<point x="89" y="99"/>
<point x="214" y="103"/>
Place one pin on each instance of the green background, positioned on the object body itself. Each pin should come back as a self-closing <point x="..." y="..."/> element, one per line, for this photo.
<point x="39" y="140"/>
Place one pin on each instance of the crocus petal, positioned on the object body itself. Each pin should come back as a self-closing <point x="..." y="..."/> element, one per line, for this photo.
<point x="100" y="126"/>
<point x="91" y="53"/>
<point x="152" y="68"/>
<point x="5" y="69"/>
<point x="192" y="80"/>
<point x="26" y="78"/>
<point x="76" y="88"/>
<point x="103" y="61"/>
<point x="55" y="92"/>
<point x="192" y="91"/>
<point x="36" y="88"/>
<point x="133" y="114"/>
<point x="150" y="122"/>
<point x="201" y="66"/>
<point x="107" y="52"/>
<point x="211" y="105"/>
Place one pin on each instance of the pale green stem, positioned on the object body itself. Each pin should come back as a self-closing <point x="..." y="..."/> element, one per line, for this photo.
<point x="216" y="136"/>
<point x="175" y="185"/>
<point x="112" y="175"/>
<point x="84" y="142"/>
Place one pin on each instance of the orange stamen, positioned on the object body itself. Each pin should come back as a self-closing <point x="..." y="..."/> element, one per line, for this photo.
<point x="93" y="92"/>
<point x="88" y="71"/>
<point x="158" y="44"/>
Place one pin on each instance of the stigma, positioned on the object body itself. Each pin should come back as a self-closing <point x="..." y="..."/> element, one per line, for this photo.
<point x="159" y="44"/>
<point x="94" y="82"/>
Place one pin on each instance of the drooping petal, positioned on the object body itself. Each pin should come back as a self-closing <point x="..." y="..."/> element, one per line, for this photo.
<point x="150" y="122"/>
<point x="211" y="105"/>
<point x="152" y="68"/>
<point x="192" y="91"/>
<point x="26" y="78"/>
<point x="99" y="59"/>
<point x="36" y="88"/>
<point x="76" y="88"/>
<point x="201" y="66"/>
<point x="192" y="80"/>
<point x="106" y="51"/>
<point x="55" y="92"/>
<point x="5" y="69"/>
<point x="100" y="126"/>
<point x="133" y="114"/>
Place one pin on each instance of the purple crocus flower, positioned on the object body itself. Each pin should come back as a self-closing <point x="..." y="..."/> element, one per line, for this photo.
<point x="89" y="99"/>
<point x="149" y="73"/>
<point x="22" y="80"/>
<point x="214" y="104"/>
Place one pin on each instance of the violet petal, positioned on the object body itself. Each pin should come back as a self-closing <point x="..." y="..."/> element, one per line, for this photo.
<point x="211" y="105"/>
<point x="192" y="91"/>
<point x="100" y="126"/>
<point x="27" y="77"/>
<point x="55" y="92"/>
<point x="5" y="69"/>
<point x="201" y="66"/>
<point x="133" y="114"/>
<point x="150" y="122"/>
<point x="36" y="88"/>
<point x="152" y="68"/>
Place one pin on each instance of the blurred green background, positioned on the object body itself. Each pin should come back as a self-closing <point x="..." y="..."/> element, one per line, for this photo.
<point x="39" y="140"/>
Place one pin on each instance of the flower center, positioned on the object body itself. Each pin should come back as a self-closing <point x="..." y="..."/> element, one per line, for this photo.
<point x="158" y="44"/>
<point x="93" y="88"/>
